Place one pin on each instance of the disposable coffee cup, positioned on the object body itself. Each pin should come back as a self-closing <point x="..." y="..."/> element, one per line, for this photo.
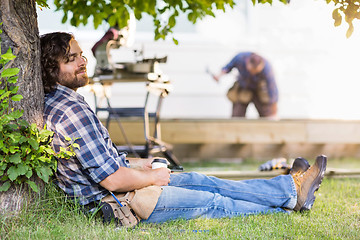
<point x="159" y="163"/>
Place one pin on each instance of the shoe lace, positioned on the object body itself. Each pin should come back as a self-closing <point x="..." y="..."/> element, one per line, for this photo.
<point x="297" y="178"/>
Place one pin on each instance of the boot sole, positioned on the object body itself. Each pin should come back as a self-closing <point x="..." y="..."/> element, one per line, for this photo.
<point x="315" y="185"/>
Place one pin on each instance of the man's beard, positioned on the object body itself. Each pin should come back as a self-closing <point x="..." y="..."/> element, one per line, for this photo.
<point x="72" y="81"/>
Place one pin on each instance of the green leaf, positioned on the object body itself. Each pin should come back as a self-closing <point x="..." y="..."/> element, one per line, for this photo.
<point x="97" y="20"/>
<point x="12" y="127"/>
<point x="16" y="114"/>
<point x="44" y="173"/>
<point x="8" y="55"/>
<point x="43" y="159"/>
<point x="5" y="186"/>
<point x="16" y="159"/>
<point x="175" y="41"/>
<point x="33" y="128"/>
<point x="33" y="185"/>
<point x="13" y="149"/>
<point x="13" y="79"/>
<point x="49" y="150"/>
<point x="67" y="138"/>
<point x="5" y="95"/>
<point x="9" y="72"/>
<point x="45" y="134"/>
<point x="14" y="89"/>
<point x="65" y="18"/>
<point x="24" y="123"/>
<point x="172" y="21"/>
<point x="42" y="3"/>
<point x="29" y="173"/>
<point x="16" y="98"/>
<point x="4" y="177"/>
<point x="34" y="144"/>
<point x="23" y="139"/>
<point x="15" y="171"/>
<point x="5" y="150"/>
<point x="112" y="20"/>
<point x="3" y="166"/>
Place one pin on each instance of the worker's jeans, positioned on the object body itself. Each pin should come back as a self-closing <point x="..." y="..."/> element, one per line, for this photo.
<point x="192" y="195"/>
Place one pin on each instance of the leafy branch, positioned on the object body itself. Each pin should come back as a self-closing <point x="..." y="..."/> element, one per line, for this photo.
<point x="347" y="9"/>
<point x="166" y="12"/>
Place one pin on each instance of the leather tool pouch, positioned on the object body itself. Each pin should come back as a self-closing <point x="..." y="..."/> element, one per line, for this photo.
<point x="124" y="215"/>
<point x="262" y="92"/>
<point x="233" y="92"/>
<point x="245" y="96"/>
<point x="137" y="205"/>
<point x="238" y="94"/>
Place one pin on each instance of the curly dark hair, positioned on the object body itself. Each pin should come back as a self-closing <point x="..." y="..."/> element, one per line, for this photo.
<point x="55" y="47"/>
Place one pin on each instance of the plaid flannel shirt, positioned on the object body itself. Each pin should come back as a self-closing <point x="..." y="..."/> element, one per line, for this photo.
<point x="68" y="115"/>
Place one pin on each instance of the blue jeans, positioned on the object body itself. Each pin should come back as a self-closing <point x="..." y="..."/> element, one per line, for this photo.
<point x="193" y="195"/>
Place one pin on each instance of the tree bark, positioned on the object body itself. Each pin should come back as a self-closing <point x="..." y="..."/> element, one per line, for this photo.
<point x="20" y="32"/>
<point x="18" y="197"/>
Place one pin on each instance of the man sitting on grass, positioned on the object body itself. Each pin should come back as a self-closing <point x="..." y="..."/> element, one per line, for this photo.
<point x="98" y="169"/>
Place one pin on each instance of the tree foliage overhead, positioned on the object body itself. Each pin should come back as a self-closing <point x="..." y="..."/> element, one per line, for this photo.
<point x="117" y="12"/>
<point x="166" y="12"/>
<point x="347" y="9"/>
<point x="163" y="12"/>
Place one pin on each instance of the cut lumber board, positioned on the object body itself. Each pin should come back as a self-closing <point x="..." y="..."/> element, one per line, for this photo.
<point x="237" y="175"/>
<point x="241" y="131"/>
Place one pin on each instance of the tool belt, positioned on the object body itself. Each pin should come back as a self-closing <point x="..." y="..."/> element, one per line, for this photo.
<point x="262" y="92"/>
<point x="238" y="94"/>
<point x="136" y="205"/>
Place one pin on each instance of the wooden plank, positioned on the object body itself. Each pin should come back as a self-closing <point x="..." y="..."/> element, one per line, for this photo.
<point x="235" y="131"/>
<point x="333" y="131"/>
<point x="238" y="175"/>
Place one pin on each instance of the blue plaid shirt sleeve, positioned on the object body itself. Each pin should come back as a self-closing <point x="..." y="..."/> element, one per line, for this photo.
<point x="67" y="114"/>
<point x="95" y="156"/>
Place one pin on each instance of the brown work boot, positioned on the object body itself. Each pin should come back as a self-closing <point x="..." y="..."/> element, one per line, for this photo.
<point x="308" y="182"/>
<point x="299" y="165"/>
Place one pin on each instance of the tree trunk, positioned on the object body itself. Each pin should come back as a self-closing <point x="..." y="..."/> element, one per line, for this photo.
<point x="18" y="197"/>
<point x="20" y="32"/>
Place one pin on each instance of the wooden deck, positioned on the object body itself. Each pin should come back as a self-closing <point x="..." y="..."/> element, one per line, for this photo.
<point x="233" y="131"/>
<point x="250" y="138"/>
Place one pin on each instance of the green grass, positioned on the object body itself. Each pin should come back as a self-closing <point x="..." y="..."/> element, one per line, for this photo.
<point x="335" y="215"/>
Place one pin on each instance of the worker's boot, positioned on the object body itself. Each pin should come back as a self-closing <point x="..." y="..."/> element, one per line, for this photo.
<point x="299" y="165"/>
<point x="308" y="182"/>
